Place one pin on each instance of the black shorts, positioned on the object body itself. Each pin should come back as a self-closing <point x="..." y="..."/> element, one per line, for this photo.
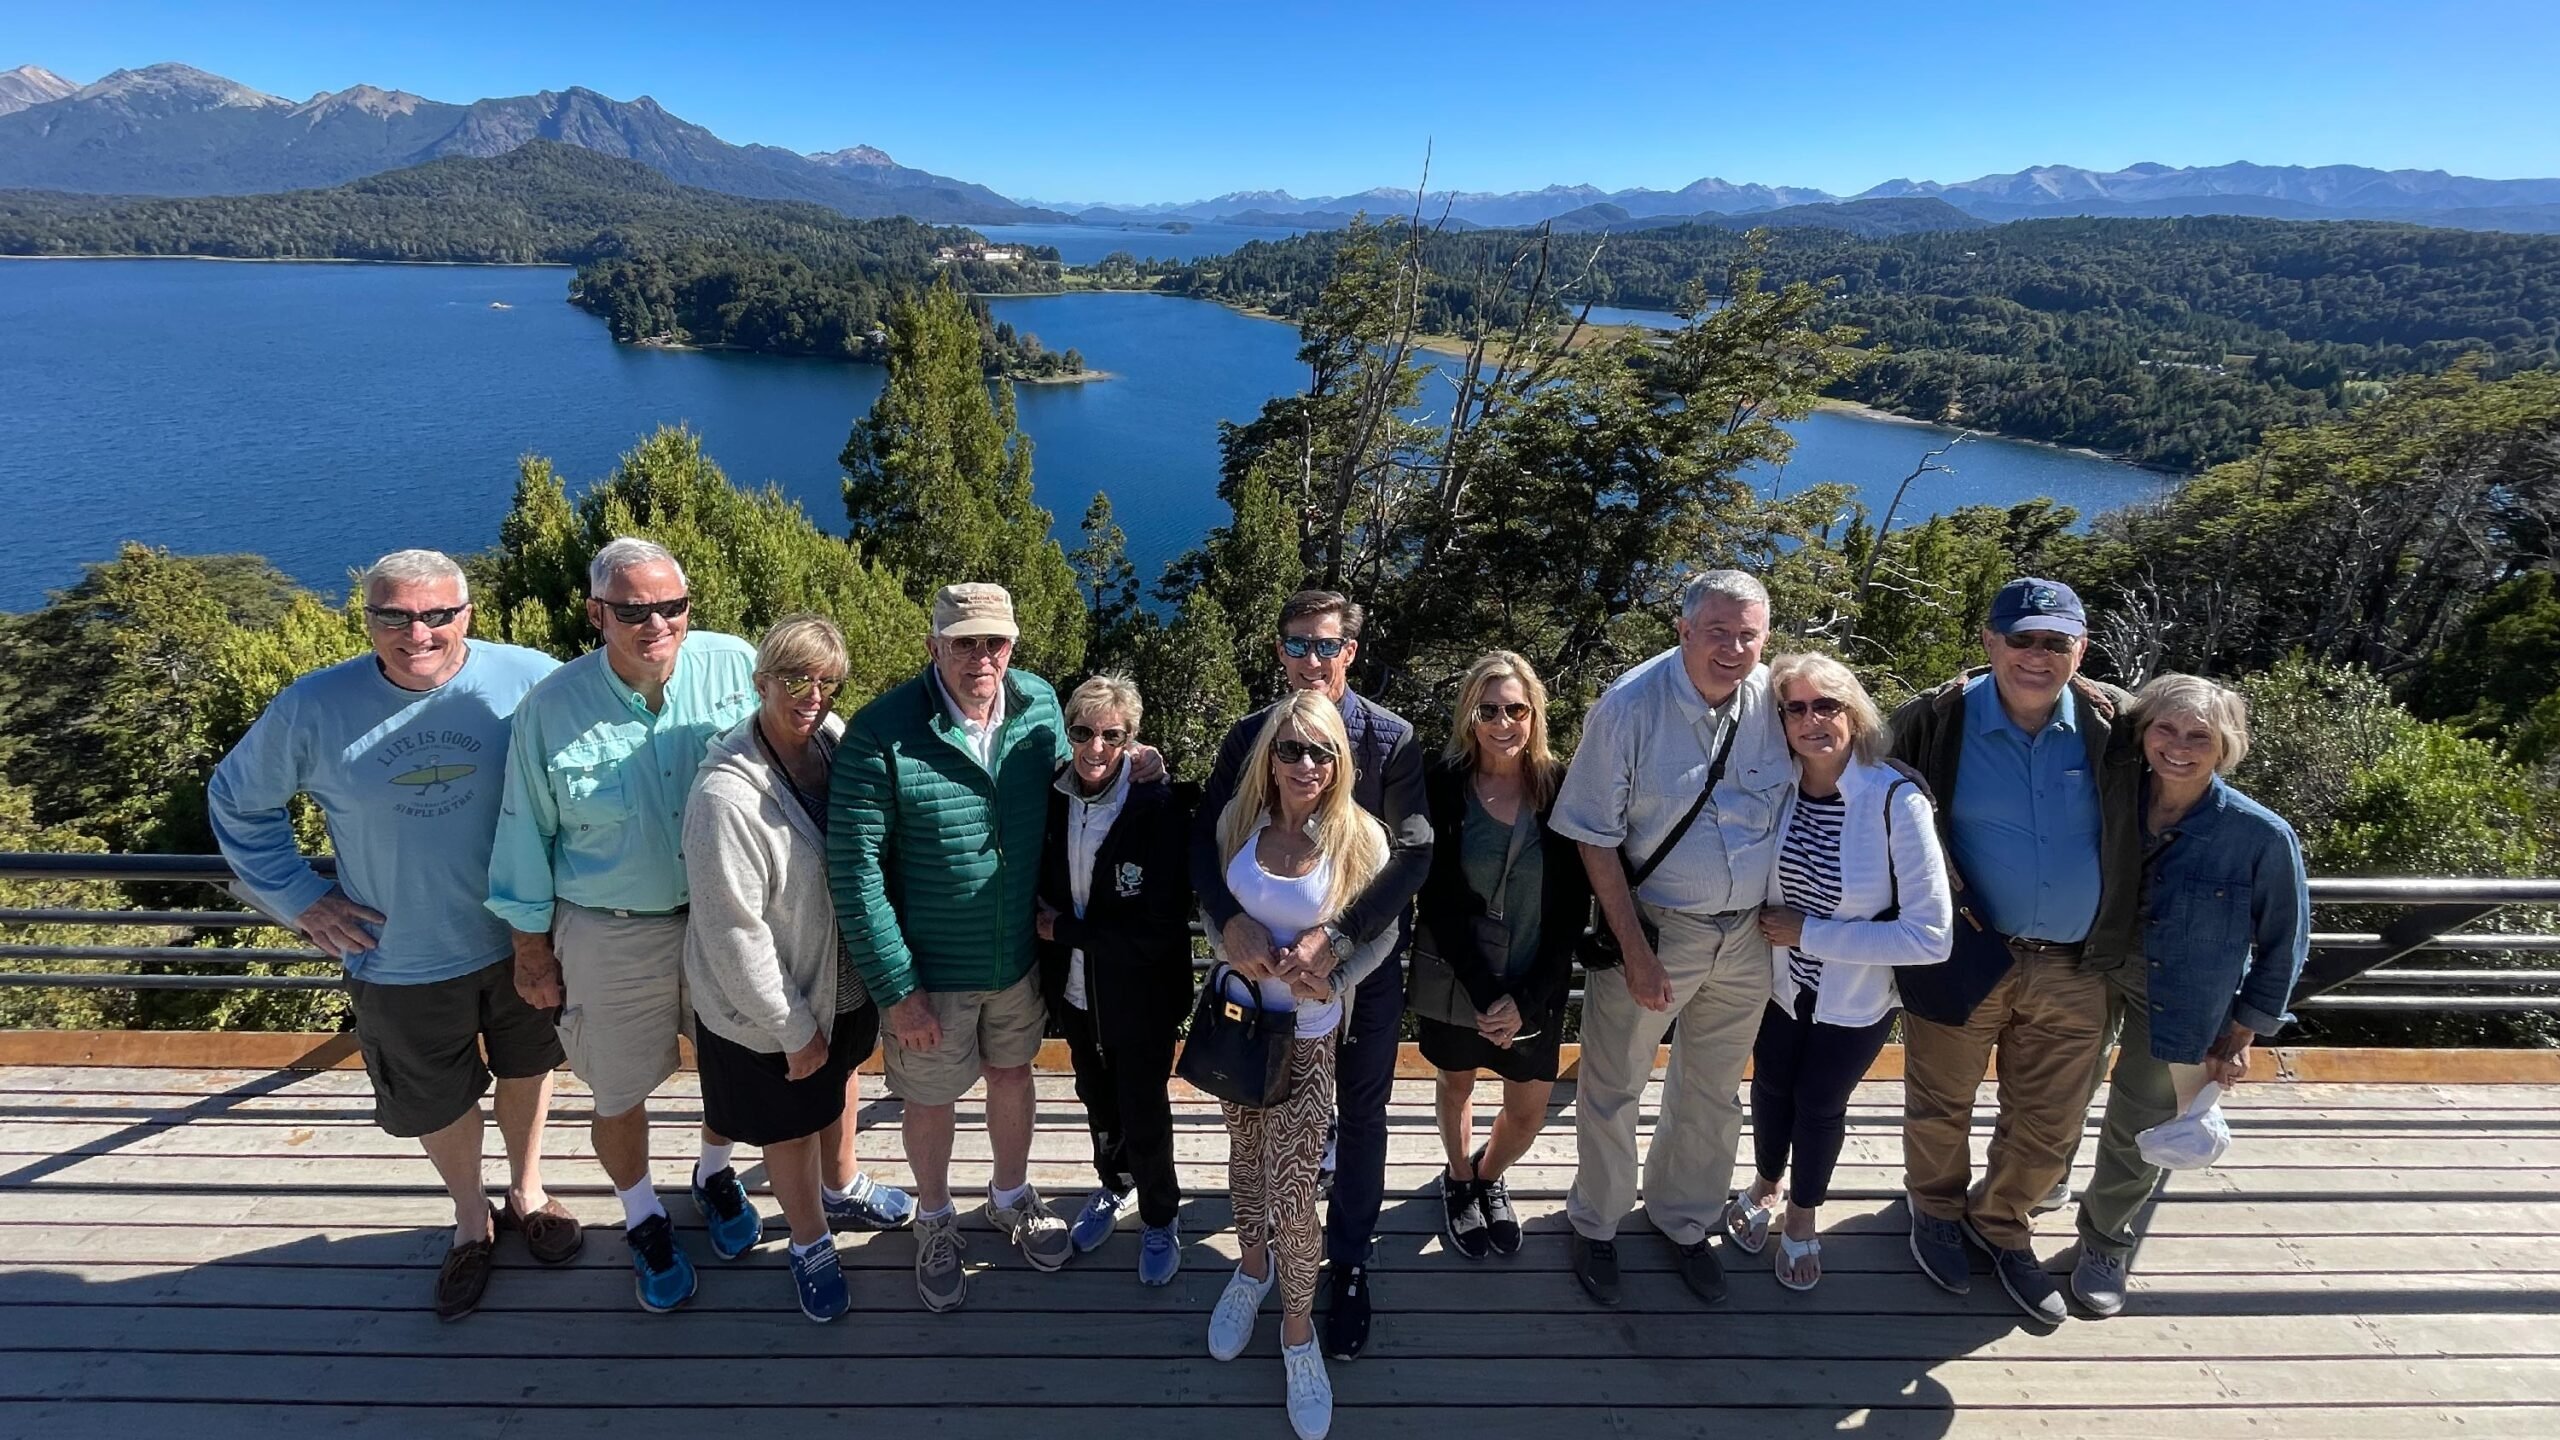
<point x="422" y="1045"/>
<point x="747" y="1097"/>
<point x="1453" y="1047"/>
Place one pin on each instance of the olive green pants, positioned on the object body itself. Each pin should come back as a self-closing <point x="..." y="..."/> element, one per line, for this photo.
<point x="2114" y="1207"/>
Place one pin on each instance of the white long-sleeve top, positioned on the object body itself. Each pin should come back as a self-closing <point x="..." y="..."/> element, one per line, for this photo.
<point x="1858" y="952"/>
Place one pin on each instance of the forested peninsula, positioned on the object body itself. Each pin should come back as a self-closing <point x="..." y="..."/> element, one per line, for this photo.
<point x="660" y="262"/>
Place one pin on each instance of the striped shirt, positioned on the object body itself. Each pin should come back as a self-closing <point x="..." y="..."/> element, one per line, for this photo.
<point x="1809" y="873"/>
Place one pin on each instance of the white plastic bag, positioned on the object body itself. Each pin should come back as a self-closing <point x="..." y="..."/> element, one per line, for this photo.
<point x="2194" y="1140"/>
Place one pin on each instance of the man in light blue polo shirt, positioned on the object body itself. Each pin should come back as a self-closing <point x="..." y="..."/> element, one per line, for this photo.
<point x="2041" y="830"/>
<point x="404" y="750"/>
<point x="586" y="869"/>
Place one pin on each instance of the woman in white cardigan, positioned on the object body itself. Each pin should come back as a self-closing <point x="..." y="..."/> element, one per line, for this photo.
<point x="779" y="1019"/>
<point x="1860" y="887"/>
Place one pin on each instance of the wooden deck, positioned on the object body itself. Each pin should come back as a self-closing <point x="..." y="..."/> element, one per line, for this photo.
<point x="213" y="1254"/>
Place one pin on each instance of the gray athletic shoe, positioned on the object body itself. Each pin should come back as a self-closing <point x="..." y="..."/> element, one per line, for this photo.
<point x="940" y="1282"/>
<point x="2097" y="1282"/>
<point x="2053" y="1199"/>
<point x="1042" y="1236"/>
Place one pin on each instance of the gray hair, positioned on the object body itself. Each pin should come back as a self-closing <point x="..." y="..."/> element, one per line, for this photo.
<point x="1107" y="691"/>
<point x="1829" y="677"/>
<point x="1734" y="585"/>
<point x="627" y="552"/>
<point x="802" y="644"/>
<point x="2221" y="708"/>
<point x="409" y="567"/>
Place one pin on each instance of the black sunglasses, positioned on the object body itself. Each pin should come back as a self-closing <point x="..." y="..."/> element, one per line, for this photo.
<point x="1324" y="647"/>
<point x="639" y="614"/>
<point x="1821" y="707"/>
<point x="2046" y="640"/>
<point x="1487" y="712"/>
<point x="391" y="617"/>
<point x="1290" y="752"/>
<point x="1086" y="734"/>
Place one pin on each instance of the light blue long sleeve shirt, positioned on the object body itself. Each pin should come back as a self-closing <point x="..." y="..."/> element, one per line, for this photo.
<point x="2025" y="821"/>
<point x="409" y="782"/>
<point x="596" y="784"/>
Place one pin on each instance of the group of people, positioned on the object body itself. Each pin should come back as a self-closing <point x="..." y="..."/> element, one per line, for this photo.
<point x="676" y="834"/>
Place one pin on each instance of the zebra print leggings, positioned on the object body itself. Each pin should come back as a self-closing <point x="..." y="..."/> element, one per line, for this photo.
<point x="1272" y="1159"/>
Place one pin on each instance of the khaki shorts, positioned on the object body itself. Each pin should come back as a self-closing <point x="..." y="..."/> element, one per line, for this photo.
<point x="982" y="1030"/>
<point x="623" y="981"/>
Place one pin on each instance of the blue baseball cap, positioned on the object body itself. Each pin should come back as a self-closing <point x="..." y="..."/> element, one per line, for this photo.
<point x="2032" y="604"/>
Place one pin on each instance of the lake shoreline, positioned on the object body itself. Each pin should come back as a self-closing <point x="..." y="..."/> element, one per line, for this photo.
<point x="321" y="260"/>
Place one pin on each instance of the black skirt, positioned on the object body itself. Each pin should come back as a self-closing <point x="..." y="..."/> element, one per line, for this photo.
<point x="747" y="1097"/>
<point x="1459" y="1047"/>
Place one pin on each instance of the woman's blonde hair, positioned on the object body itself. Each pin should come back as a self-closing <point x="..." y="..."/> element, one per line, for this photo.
<point x="2223" y="710"/>
<point x="1539" y="771"/>
<point x="1109" y="691"/>
<point x="1349" y="838"/>
<point x="1828" y="677"/>
<point x="802" y="644"/>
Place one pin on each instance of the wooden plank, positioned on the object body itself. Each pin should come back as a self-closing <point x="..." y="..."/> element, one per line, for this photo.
<point x="267" y="1050"/>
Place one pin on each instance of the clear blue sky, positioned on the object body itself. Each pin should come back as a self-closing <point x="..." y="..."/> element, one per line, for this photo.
<point x="1120" y="102"/>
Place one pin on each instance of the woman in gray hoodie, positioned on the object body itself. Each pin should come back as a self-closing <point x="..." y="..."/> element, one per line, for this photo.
<point x="772" y="1035"/>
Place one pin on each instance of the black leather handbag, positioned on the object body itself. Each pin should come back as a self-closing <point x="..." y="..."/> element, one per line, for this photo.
<point x="1237" y="1050"/>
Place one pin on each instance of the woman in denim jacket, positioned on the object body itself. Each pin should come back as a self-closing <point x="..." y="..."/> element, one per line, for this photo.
<point x="2226" y="926"/>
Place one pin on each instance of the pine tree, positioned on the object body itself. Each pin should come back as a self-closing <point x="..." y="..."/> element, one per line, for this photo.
<point x="1187" y="676"/>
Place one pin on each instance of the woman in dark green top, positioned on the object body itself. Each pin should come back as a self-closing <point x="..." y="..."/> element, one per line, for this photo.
<point x="1494" y="938"/>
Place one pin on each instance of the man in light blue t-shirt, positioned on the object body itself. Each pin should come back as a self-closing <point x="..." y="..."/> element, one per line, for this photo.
<point x="405" y="753"/>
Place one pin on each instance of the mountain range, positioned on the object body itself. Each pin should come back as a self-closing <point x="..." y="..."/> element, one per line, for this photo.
<point x="170" y="129"/>
<point x="175" y="130"/>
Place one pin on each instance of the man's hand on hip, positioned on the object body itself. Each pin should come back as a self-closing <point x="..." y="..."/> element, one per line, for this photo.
<point x="339" y="925"/>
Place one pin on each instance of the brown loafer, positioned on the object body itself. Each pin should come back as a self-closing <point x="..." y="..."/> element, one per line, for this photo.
<point x="551" y="1233"/>
<point x="464" y="1276"/>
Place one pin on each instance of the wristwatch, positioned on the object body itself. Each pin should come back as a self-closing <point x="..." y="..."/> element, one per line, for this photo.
<point x="1341" y="946"/>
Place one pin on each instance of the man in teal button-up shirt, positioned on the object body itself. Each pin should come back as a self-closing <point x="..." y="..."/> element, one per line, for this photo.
<point x="587" y="872"/>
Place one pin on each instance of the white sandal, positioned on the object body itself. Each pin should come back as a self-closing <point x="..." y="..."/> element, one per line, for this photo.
<point x="1747" y="1224"/>
<point x="1790" y="1252"/>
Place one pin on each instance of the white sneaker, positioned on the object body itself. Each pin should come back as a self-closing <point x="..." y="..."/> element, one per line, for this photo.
<point x="1310" y="1390"/>
<point x="1231" y="1324"/>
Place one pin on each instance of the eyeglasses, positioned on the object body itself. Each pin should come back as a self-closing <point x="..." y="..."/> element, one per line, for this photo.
<point x="1323" y="647"/>
<point x="389" y="617"/>
<point x="796" y="686"/>
<point x="2045" y="640"/>
<point x="1292" y="752"/>
<point x="1820" y="707"/>
<point x="973" y="646"/>
<point x="1488" y="712"/>
<point x="1086" y="734"/>
<point x="671" y="610"/>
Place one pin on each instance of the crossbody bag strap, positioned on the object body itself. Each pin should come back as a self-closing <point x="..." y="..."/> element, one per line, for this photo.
<point x="1636" y="874"/>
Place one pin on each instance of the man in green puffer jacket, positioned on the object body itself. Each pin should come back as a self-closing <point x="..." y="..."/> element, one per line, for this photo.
<point x="937" y="812"/>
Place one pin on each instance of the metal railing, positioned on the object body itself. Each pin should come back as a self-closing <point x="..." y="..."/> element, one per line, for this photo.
<point x="2431" y="915"/>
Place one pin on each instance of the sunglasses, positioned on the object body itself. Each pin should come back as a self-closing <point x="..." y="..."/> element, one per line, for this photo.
<point x="1086" y="734"/>
<point x="2045" y="640"/>
<point x="388" y="617"/>
<point x="973" y="646"/>
<point x="1488" y="712"/>
<point x="796" y="686"/>
<point x="670" y="610"/>
<point x="1820" y="707"/>
<point x="1292" y="752"/>
<point x="1323" y="647"/>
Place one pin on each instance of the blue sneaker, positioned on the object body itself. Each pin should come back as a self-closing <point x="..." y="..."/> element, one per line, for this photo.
<point x="1100" y="1215"/>
<point x="870" y="1205"/>
<point x="660" y="1275"/>
<point x="819" y="1279"/>
<point x="734" y="1224"/>
<point x="1159" y="1254"/>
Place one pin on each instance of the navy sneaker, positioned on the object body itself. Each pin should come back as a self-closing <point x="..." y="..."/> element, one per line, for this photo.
<point x="1159" y="1254"/>
<point x="870" y="1205"/>
<point x="660" y="1275"/>
<point x="1099" y="1217"/>
<point x="1939" y="1247"/>
<point x="819" y="1279"/>
<point x="734" y="1224"/>
<point x="2022" y="1275"/>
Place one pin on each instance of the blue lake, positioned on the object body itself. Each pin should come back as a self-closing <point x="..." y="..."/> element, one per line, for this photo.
<point x="322" y="414"/>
